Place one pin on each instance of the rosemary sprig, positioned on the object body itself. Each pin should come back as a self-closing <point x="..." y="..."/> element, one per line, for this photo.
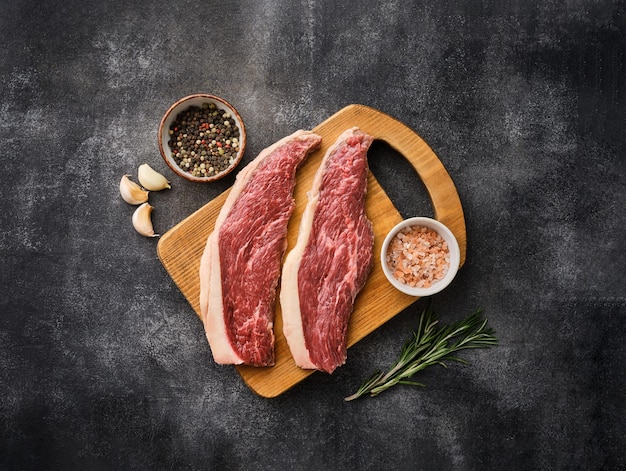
<point x="428" y="346"/>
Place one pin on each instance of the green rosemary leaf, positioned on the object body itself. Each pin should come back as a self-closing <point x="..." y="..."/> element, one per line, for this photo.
<point x="412" y="383"/>
<point x="430" y="345"/>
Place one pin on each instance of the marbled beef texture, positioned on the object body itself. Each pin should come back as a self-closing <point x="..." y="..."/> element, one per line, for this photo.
<point x="240" y="267"/>
<point x="332" y="258"/>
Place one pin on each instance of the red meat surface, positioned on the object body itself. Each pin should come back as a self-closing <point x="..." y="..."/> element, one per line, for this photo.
<point x="241" y="265"/>
<point x="331" y="261"/>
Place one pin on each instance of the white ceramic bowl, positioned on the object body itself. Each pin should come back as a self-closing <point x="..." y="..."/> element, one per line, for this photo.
<point x="453" y="247"/>
<point x="181" y="105"/>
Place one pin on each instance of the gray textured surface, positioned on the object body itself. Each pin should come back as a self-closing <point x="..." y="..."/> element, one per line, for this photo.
<point x="103" y="364"/>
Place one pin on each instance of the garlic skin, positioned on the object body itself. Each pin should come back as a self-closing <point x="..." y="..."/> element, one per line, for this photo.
<point x="150" y="179"/>
<point x="142" y="221"/>
<point x="131" y="192"/>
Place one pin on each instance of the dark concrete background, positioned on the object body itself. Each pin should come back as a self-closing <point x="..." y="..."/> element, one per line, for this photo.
<point x="103" y="363"/>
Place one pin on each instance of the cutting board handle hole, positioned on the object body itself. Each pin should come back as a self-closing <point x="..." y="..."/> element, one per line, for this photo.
<point x="399" y="179"/>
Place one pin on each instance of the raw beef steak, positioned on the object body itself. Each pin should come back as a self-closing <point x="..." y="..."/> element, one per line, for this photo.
<point x="240" y="266"/>
<point x="332" y="258"/>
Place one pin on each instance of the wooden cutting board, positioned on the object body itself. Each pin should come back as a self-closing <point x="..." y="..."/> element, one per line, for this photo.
<point x="181" y="247"/>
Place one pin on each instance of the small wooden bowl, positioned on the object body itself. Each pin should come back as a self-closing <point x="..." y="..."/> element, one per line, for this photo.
<point x="170" y="116"/>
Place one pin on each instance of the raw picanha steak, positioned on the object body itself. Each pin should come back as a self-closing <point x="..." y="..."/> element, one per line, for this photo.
<point x="332" y="258"/>
<point x="240" y="266"/>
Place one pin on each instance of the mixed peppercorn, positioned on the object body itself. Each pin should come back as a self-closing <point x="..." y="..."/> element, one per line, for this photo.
<point x="204" y="140"/>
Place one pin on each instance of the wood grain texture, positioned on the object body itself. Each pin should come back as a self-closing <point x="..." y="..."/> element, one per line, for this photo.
<point x="181" y="247"/>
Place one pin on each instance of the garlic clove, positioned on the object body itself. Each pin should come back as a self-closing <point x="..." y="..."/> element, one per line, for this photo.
<point x="131" y="192"/>
<point x="150" y="179"/>
<point x="142" y="221"/>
